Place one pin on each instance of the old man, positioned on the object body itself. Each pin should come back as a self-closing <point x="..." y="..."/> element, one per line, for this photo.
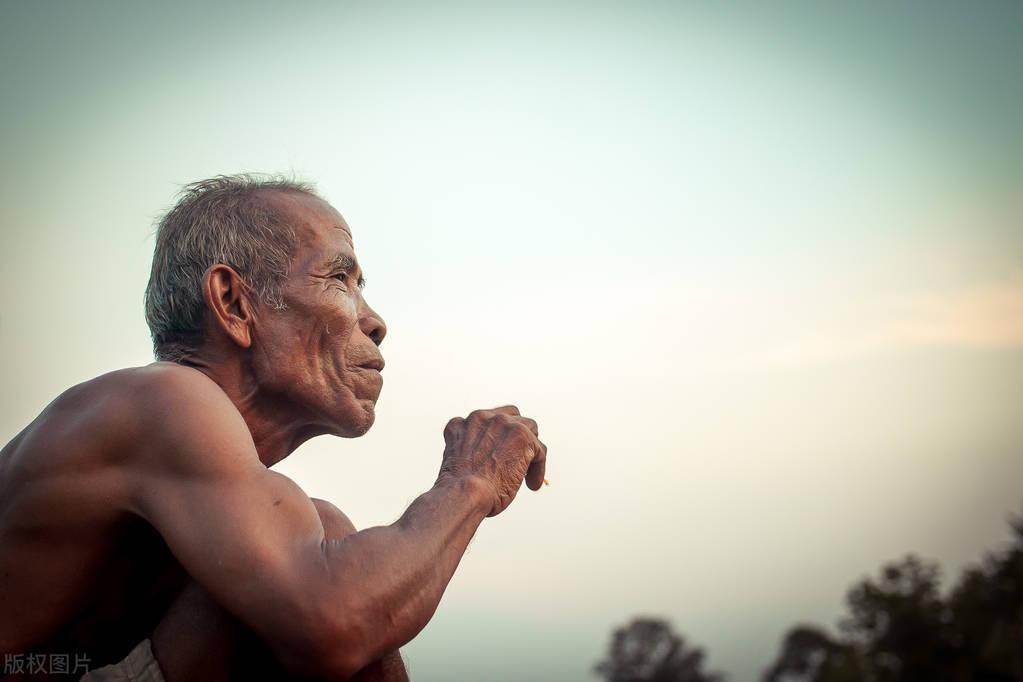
<point x="144" y="534"/>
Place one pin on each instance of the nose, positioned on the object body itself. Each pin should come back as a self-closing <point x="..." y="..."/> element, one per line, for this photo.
<point x="372" y="325"/>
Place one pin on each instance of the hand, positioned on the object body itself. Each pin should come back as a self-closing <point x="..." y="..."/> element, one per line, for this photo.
<point x="499" y="447"/>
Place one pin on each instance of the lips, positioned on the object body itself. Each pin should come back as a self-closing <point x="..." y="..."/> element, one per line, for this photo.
<point x="375" y="363"/>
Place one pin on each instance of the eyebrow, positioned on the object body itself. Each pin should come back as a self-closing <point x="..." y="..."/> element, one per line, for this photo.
<point x="345" y="263"/>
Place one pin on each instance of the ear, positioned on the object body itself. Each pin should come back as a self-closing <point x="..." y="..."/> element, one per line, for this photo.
<point x="228" y="299"/>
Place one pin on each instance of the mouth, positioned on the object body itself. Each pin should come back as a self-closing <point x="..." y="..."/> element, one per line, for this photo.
<point x="374" y="364"/>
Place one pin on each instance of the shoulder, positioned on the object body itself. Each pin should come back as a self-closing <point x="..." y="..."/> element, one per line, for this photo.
<point x="185" y="414"/>
<point x="155" y="394"/>
<point x="155" y="409"/>
<point x="165" y="386"/>
<point x="136" y="391"/>
<point x="116" y="431"/>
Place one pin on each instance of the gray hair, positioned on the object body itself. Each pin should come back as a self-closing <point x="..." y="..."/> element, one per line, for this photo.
<point x="226" y="219"/>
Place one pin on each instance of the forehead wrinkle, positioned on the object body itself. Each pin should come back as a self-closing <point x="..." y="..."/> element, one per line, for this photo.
<point x="342" y="261"/>
<point x="346" y="231"/>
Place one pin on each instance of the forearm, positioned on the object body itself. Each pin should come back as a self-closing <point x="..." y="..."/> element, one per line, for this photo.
<point x="394" y="576"/>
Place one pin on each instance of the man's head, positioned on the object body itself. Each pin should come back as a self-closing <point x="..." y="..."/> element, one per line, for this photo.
<point x="263" y="271"/>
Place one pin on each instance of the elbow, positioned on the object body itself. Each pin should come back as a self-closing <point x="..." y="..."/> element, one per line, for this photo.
<point x="334" y="647"/>
<point x="341" y="658"/>
<point x="335" y="663"/>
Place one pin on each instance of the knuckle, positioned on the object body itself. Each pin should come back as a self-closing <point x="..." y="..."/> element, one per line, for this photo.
<point x="502" y="419"/>
<point x="523" y="430"/>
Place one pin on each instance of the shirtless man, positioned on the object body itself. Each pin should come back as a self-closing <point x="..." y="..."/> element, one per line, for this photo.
<point x="139" y="516"/>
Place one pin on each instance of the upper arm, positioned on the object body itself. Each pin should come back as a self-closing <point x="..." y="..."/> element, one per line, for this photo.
<point x="249" y="536"/>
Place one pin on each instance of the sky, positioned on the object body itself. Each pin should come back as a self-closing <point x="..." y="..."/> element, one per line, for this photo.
<point x="755" y="269"/>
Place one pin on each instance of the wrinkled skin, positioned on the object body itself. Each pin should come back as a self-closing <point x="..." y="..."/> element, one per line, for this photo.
<point x="320" y="355"/>
<point x="141" y="504"/>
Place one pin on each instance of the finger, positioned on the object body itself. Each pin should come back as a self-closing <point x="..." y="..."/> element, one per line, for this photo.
<point x="531" y="424"/>
<point x="453" y="426"/>
<point x="507" y="409"/>
<point x="537" y="468"/>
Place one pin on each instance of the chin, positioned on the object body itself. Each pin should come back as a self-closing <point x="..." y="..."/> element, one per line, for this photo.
<point x="357" y="425"/>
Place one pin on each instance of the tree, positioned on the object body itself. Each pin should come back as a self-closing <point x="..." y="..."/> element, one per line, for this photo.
<point x="809" y="654"/>
<point x="986" y="607"/>
<point x="901" y="629"/>
<point x="900" y="623"/>
<point x="648" y="650"/>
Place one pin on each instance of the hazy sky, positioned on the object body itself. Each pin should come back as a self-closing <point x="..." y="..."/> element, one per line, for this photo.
<point x="757" y="272"/>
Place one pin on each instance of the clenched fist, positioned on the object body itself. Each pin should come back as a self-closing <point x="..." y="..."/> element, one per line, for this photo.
<point x="499" y="447"/>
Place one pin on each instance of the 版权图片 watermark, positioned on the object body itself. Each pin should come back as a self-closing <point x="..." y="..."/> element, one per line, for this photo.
<point x="46" y="664"/>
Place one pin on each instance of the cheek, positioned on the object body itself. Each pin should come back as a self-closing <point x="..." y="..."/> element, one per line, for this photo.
<point x="315" y="337"/>
<point x="336" y="315"/>
<point x="332" y="338"/>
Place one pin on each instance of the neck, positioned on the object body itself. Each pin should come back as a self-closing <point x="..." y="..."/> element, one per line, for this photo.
<point x="277" y="428"/>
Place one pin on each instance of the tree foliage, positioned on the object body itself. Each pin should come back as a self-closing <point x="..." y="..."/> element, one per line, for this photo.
<point x="648" y="650"/>
<point x="900" y="628"/>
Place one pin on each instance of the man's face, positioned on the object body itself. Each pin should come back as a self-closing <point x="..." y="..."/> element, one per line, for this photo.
<point x="320" y="355"/>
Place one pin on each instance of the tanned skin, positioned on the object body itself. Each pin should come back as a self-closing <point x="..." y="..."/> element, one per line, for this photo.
<point x="141" y="503"/>
<point x="204" y="642"/>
